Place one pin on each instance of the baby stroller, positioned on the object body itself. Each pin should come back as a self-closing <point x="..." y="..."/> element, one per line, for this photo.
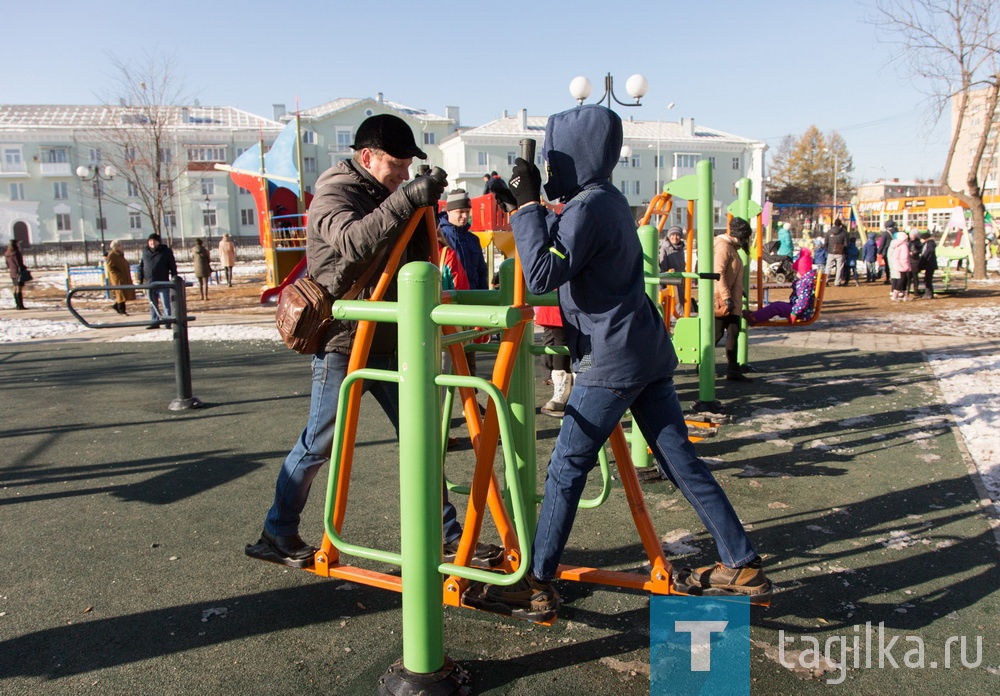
<point x="779" y="267"/>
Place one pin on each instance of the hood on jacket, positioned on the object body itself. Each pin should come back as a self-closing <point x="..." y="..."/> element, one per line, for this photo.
<point x="582" y="145"/>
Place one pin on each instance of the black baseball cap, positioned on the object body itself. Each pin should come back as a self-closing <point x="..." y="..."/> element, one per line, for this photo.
<point x="387" y="133"/>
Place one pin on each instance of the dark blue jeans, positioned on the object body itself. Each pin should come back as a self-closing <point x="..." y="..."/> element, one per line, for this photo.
<point x="591" y="415"/>
<point x="315" y="444"/>
<point x="155" y="296"/>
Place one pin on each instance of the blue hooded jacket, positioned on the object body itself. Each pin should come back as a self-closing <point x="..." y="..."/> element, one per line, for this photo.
<point x="591" y="253"/>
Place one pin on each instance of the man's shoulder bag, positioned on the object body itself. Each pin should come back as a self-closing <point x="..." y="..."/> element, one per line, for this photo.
<point x="305" y="310"/>
<point x="303" y="315"/>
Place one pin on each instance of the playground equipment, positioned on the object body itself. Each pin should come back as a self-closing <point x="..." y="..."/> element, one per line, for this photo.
<point x="179" y="322"/>
<point x="427" y="320"/>
<point x="274" y="179"/>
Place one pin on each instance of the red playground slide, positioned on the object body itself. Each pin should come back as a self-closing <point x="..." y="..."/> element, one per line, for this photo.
<point x="270" y="295"/>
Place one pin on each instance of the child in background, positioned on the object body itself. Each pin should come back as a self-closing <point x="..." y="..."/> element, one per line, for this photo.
<point x="801" y="304"/>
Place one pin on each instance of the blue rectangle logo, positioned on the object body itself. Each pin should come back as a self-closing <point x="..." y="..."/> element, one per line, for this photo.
<point x="699" y="645"/>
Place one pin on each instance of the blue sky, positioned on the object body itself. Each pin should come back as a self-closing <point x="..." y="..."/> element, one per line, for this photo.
<point x="760" y="70"/>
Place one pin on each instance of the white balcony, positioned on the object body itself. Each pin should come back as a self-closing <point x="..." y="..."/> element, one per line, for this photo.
<point x="56" y="169"/>
<point x="9" y="169"/>
<point x="678" y="172"/>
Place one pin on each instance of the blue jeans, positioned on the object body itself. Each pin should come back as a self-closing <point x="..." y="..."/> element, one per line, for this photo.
<point x="591" y="415"/>
<point x="315" y="444"/>
<point x="155" y="296"/>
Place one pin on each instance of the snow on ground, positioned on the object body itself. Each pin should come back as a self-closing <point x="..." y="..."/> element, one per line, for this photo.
<point x="222" y="332"/>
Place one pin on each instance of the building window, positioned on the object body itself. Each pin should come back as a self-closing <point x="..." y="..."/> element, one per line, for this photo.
<point x="246" y="217"/>
<point x="428" y="138"/>
<point x="17" y="192"/>
<point x="62" y="222"/>
<point x="131" y="190"/>
<point x="208" y="187"/>
<point x="55" y="155"/>
<point x="635" y="188"/>
<point x="308" y="137"/>
<point x="208" y="217"/>
<point x="206" y="154"/>
<point x="309" y="164"/>
<point x="309" y="189"/>
<point x="169" y="219"/>
<point x="685" y="161"/>
<point x="624" y="162"/>
<point x="101" y="223"/>
<point x="636" y="161"/>
<point x="240" y="151"/>
<point x="166" y="155"/>
<point x="59" y="191"/>
<point x="95" y="155"/>
<point x="135" y="221"/>
<point x="623" y="187"/>
<point x="736" y="163"/>
<point x="243" y="191"/>
<point x="12" y="156"/>
<point x="511" y="156"/>
<point x="711" y="161"/>
<point x="129" y="154"/>
<point x="343" y="139"/>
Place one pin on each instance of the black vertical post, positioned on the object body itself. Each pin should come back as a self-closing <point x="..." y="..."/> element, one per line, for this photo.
<point x="182" y="360"/>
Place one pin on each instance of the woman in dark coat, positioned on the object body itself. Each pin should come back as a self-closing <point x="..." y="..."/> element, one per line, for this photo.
<point x="119" y="272"/>
<point x="16" y="268"/>
<point x="928" y="263"/>
<point x="202" y="266"/>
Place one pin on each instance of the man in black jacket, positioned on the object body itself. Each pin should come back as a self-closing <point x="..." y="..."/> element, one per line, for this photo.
<point x="836" y="254"/>
<point x="157" y="265"/>
<point x="359" y="210"/>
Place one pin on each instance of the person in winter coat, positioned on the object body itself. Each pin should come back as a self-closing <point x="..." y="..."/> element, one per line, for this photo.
<point x="899" y="265"/>
<point x="202" y="266"/>
<point x="786" y="247"/>
<point x="728" y="295"/>
<point x="620" y="349"/>
<point x="836" y="250"/>
<point x="227" y="257"/>
<point x="851" y="270"/>
<point x="801" y="303"/>
<point x="157" y="265"/>
<point x="672" y="257"/>
<point x="560" y="367"/>
<point x="16" y="269"/>
<point x="869" y="257"/>
<point x="927" y="263"/>
<point x="462" y="251"/>
<point x="915" y="246"/>
<point x="819" y="254"/>
<point x="884" y="240"/>
<point x="360" y="208"/>
<point x="119" y="272"/>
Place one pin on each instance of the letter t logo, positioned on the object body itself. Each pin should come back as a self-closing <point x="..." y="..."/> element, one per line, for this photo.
<point x="701" y="641"/>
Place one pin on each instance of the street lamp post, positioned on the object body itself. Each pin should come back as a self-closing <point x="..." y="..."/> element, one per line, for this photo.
<point x="659" y="163"/>
<point x="636" y="86"/>
<point x="208" y="219"/>
<point x="835" y="177"/>
<point x="93" y="173"/>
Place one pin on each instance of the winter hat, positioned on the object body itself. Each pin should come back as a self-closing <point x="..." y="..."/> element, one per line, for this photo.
<point x="458" y="199"/>
<point x="154" y="236"/>
<point x="387" y="133"/>
<point x="890" y="225"/>
<point x="804" y="263"/>
<point x="819" y="241"/>
<point x="675" y="230"/>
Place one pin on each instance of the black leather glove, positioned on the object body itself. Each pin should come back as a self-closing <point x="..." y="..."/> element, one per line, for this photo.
<point x="425" y="190"/>
<point x="730" y="306"/>
<point x="525" y="182"/>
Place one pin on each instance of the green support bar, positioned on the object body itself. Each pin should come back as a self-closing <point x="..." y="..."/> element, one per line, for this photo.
<point x="420" y="475"/>
<point x="741" y="208"/>
<point x="697" y="187"/>
<point x="648" y="239"/>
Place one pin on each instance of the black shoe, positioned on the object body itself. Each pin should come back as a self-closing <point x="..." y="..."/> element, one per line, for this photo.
<point x="747" y="368"/>
<point x="288" y="550"/>
<point x="153" y="326"/>
<point x="485" y="556"/>
<point x="648" y="474"/>
<point x="737" y="377"/>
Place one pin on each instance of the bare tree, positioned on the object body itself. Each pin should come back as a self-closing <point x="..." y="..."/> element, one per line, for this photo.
<point x="143" y="111"/>
<point x="952" y="47"/>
